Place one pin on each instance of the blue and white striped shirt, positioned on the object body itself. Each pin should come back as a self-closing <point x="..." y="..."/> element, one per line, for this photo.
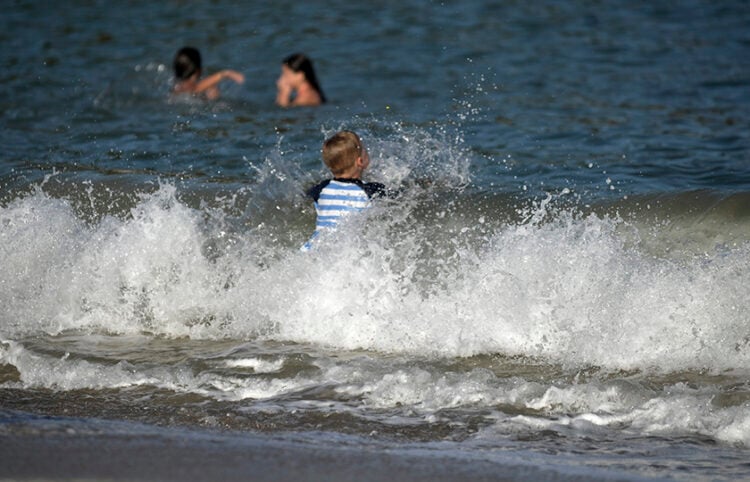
<point x="335" y="198"/>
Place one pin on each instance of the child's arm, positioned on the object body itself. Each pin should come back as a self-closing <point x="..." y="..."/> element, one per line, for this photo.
<point x="378" y="190"/>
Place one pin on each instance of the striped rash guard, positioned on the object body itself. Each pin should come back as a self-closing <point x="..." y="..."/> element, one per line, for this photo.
<point x="338" y="197"/>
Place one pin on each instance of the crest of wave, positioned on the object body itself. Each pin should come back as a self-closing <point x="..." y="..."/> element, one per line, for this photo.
<point x="559" y="286"/>
<point x="152" y="271"/>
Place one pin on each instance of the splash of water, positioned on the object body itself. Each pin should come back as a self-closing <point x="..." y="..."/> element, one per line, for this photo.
<point x="408" y="276"/>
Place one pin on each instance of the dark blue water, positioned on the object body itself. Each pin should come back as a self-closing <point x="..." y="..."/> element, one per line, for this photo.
<point x="567" y="264"/>
<point x="655" y="95"/>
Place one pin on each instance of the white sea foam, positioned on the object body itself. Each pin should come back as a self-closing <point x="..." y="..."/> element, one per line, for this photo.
<point x="258" y="365"/>
<point x="677" y="411"/>
<point x="566" y="288"/>
<point x="583" y="408"/>
<point x="65" y="374"/>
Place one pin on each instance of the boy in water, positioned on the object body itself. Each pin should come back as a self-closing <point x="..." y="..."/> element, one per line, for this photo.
<point x="346" y="157"/>
<point x="187" y="73"/>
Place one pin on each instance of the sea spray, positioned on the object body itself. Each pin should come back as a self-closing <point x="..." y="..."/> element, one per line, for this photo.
<point x="560" y="285"/>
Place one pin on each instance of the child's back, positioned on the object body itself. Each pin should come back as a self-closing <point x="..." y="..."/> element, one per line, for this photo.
<point x="347" y="158"/>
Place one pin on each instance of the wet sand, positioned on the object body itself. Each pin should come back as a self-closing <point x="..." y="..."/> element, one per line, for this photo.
<point x="61" y="452"/>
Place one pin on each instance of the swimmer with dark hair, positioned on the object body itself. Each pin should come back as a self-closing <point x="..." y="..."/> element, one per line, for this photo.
<point x="187" y="73"/>
<point x="298" y="85"/>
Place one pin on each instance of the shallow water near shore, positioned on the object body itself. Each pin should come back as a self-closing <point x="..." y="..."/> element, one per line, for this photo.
<point x="558" y="291"/>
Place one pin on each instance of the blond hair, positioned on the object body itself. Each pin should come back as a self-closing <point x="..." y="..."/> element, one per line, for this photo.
<point x="341" y="151"/>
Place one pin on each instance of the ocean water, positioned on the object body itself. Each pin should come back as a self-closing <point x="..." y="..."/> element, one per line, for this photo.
<point x="561" y="282"/>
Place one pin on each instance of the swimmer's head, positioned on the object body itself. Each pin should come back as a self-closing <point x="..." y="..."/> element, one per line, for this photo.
<point x="341" y="151"/>
<point x="187" y="63"/>
<point x="302" y="63"/>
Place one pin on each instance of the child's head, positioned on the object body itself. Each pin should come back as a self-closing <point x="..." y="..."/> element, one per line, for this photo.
<point x="345" y="155"/>
<point x="187" y="63"/>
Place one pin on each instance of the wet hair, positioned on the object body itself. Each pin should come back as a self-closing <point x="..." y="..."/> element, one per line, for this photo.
<point x="186" y="63"/>
<point x="341" y="150"/>
<point x="302" y="63"/>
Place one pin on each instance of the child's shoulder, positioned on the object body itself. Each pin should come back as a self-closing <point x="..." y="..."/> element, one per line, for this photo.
<point x="372" y="189"/>
<point x="314" y="192"/>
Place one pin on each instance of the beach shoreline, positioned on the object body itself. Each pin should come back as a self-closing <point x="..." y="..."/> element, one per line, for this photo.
<point x="52" y="448"/>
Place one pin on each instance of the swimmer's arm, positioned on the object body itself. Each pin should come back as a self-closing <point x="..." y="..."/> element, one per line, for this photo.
<point x="283" y="92"/>
<point x="213" y="80"/>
